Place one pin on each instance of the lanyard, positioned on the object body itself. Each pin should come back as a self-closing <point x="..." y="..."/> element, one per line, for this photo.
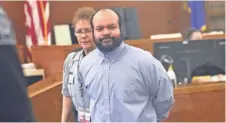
<point x="80" y="85"/>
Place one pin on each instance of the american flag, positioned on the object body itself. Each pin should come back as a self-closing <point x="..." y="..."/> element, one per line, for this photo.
<point x="37" y="23"/>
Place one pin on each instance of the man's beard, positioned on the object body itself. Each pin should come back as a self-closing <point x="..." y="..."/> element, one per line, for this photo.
<point x="107" y="48"/>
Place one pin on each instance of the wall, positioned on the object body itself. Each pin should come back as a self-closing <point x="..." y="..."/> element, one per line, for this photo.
<point x="215" y="15"/>
<point x="154" y="17"/>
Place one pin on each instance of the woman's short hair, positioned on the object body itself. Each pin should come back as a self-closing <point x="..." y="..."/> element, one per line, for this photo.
<point x="84" y="13"/>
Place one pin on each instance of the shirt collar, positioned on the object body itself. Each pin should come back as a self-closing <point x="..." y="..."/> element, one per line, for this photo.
<point x="112" y="55"/>
<point x="79" y="55"/>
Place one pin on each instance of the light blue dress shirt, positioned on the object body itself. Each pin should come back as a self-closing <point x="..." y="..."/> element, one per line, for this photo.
<point x="126" y="85"/>
<point x="70" y="86"/>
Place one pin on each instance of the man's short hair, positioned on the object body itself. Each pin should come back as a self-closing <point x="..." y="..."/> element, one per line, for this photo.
<point x="84" y="13"/>
<point x="119" y="17"/>
<point x="189" y="32"/>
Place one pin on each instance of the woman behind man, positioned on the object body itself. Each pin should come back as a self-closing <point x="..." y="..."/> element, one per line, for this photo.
<point x="71" y="89"/>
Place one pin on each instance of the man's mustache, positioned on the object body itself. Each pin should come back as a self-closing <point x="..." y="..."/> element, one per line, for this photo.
<point x="109" y="37"/>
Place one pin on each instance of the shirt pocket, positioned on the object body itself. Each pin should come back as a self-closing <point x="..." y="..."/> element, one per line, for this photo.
<point x="130" y="89"/>
<point x="135" y="90"/>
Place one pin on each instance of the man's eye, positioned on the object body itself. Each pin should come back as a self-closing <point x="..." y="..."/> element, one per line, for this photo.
<point x="99" y="29"/>
<point x="111" y="28"/>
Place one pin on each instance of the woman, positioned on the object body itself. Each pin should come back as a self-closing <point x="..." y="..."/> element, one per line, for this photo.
<point x="71" y="89"/>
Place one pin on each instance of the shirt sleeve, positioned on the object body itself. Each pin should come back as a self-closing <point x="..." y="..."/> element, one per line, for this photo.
<point x="163" y="98"/>
<point x="7" y="34"/>
<point x="159" y="86"/>
<point x="66" y="67"/>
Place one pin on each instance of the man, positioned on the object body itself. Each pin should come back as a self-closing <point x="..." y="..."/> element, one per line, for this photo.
<point x="124" y="83"/>
<point x="14" y="103"/>
<point x="193" y="34"/>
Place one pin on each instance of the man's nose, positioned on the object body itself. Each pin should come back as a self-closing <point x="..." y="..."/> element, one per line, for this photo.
<point x="106" y="32"/>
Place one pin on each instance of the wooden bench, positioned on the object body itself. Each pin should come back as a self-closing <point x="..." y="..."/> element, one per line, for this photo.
<point x="213" y="36"/>
<point x="145" y="44"/>
<point x="199" y="103"/>
<point x="193" y="103"/>
<point x="46" y="99"/>
<point x="51" y="58"/>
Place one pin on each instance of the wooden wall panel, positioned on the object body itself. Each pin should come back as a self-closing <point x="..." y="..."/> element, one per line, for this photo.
<point x="215" y="15"/>
<point x="154" y="17"/>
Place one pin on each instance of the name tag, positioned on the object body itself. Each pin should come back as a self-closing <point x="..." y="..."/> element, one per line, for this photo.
<point x="83" y="115"/>
<point x="71" y="79"/>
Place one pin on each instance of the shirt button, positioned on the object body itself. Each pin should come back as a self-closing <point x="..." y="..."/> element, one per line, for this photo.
<point x="106" y="97"/>
<point x="105" y="83"/>
<point x="106" y="112"/>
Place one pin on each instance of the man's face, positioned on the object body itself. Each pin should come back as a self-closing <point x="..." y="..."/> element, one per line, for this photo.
<point x="107" y="35"/>
<point x="196" y="36"/>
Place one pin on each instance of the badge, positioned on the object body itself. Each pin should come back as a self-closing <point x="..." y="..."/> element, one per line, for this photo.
<point x="83" y="115"/>
<point x="71" y="79"/>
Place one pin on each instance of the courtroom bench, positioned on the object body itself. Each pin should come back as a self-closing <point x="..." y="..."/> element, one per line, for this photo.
<point x="46" y="99"/>
<point x="145" y="44"/>
<point x="213" y="36"/>
<point x="193" y="103"/>
<point x="199" y="103"/>
<point x="33" y="75"/>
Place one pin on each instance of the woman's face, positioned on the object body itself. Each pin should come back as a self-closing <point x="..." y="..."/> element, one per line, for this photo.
<point x="83" y="32"/>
